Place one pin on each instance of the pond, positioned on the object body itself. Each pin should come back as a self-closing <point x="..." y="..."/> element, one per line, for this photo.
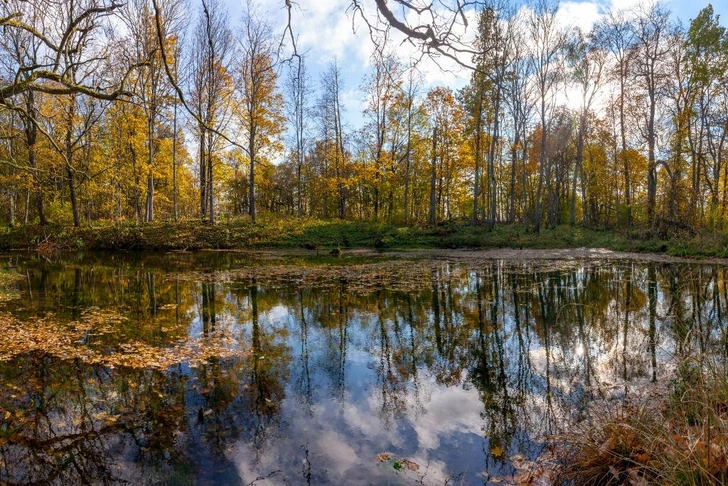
<point x="265" y="368"/>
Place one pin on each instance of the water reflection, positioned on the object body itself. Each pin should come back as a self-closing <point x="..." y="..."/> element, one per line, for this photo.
<point x="467" y="365"/>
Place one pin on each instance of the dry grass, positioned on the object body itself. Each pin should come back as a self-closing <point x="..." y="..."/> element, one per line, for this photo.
<point x="675" y="434"/>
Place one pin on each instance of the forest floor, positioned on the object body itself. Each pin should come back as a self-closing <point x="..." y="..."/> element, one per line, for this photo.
<point x="335" y="235"/>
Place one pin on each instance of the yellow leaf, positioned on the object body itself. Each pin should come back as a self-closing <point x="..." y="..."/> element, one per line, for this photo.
<point x="497" y="452"/>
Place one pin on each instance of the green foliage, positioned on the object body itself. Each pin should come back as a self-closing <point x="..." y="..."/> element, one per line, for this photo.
<point x="323" y="236"/>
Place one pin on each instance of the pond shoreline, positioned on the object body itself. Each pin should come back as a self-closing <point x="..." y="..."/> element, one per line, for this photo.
<point x="556" y="254"/>
<point x="325" y="236"/>
<point x="508" y="254"/>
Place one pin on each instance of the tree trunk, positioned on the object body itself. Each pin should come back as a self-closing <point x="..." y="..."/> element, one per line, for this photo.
<point x="492" y="187"/>
<point x="203" y="175"/>
<point x="651" y="162"/>
<point x="299" y="202"/>
<point x="340" y="155"/>
<point x="251" y="178"/>
<point x="408" y="157"/>
<point x="26" y="214"/>
<point x="11" y="201"/>
<point x="512" y="186"/>
<point x="69" y="165"/>
<point x="137" y="196"/>
<point x="433" y="177"/>
<point x="31" y="137"/>
<point x="72" y="194"/>
<point x="149" y="214"/>
<point x="478" y="151"/>
<point x="175" y="209"/>
<point x="210" y="191"/>
<point x="623" y="134"/>
<point x="541" y="173"/>
<point x="577" y="167"/>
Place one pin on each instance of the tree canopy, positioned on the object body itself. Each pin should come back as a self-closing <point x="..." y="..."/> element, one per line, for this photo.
<point x="155" y="109"/>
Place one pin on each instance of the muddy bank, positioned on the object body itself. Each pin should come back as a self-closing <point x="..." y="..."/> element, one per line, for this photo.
<point x="549" y="254"/>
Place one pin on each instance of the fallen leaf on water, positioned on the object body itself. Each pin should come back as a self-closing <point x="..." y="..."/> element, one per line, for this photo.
<point x="383" y="456"/>
<point x="497" y="452"/>
<point x="517" y="460"/>
<point x="525" y="478"/>
<point x="412" y="466"/>
<point x="66" y="341"/>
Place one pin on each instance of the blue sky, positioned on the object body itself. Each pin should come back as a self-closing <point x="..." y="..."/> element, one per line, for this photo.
<point x="324" y="30"/>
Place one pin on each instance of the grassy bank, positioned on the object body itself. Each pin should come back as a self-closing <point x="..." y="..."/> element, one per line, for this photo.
<point x="328" y="235"/>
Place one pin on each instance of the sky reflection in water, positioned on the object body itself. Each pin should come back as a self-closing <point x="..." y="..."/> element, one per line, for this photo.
<point x="467" y="365"/>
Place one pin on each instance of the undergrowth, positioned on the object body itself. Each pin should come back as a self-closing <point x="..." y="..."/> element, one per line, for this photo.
<point x="677" y="435"/>
<point x="335" y="235"/>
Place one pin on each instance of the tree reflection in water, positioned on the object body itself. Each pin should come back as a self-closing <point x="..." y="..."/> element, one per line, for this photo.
<point x="476" y="362"/>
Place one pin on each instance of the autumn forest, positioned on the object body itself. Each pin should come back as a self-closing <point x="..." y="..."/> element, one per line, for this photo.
<point x="165" y="110"/>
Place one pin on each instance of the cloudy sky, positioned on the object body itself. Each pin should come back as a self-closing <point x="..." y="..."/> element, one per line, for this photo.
<point x="326" y="31"/>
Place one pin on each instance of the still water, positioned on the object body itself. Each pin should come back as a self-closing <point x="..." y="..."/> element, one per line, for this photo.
<point x="237" y="368"/>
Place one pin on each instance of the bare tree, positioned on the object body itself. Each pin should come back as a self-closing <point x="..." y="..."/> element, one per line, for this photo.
<point x="438" y="29"/>
<point x="548" y="43"/>
<point x="210" y="89"/>
<point x="587" y="60"/>
<point x="382" y="86"/>
<point x="261" y="112"/>
<point x="520" y="102"/>
<point x="617" y="36"/>
<point x="298" y="92"/>
<point x="411" y="91"/>
<point x="151" y="86"/>
<point x="55" y="48"/>
<point x="496" y="34"/>
<point x="330" y="115"/>
<point x="50" y="31"/>
<point x="23" y="49"/>
<point x="651" y="31"/>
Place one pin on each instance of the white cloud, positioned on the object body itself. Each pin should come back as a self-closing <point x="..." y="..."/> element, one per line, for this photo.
<point x="626" y="5"/>
<point x="329" y="30"/>
<point x="325" y="30"/>
<point x="579" y="14"/>
<point x="344" y="439"/>
<point x="449" y="411"/>
<point x="353" y="100"/>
